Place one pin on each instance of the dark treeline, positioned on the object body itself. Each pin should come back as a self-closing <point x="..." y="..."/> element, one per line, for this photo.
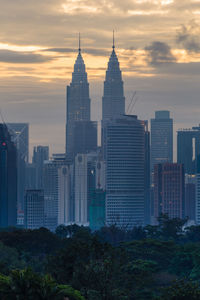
<point x="152" y="262"/>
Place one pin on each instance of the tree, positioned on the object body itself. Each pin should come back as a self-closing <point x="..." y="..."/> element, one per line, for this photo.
<point x="181" y="290"/>
<point x="170" y="228"/>
<point x="27" y="285"/>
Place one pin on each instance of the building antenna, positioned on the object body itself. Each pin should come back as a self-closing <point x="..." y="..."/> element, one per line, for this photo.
<point x="79" y="43"/>
<point x="113" y="40"/>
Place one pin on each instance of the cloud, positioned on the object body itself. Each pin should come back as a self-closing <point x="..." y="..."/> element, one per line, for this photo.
<point x="188" y="36"/>
<point x="9" y="56"/>
<point x="92" y="51"/>
<point x="159" y="53"/>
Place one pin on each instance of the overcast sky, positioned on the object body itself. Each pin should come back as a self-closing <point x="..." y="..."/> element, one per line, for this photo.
<point x="157" y="43"/>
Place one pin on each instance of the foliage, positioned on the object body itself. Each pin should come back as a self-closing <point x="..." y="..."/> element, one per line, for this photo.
<point x="109" y="264"/>
<point x="181" y="290"/>
<point x="27" y="285"/>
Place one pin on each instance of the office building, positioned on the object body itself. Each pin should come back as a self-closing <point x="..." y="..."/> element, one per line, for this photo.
<point x="97" y="210"/>
<point x="190" y="197"/>
<point x="124" y="142"/>
<point x="161" y="138"/>
<point x="34" y="209"/>
<point x="89" y="177"/>
<point x="58" y="178"/>
<point x="169" y="190"/>
<point x="8" y="182"/>
<point x="80" y="137"/>
<point x="113" y="101"/>
<point x="65" y="200"/>
<point x="30" y="179"/>
<point x="40" y="154"/>
<point x="84" y="137"/>
<point x="20" y="136"/>
<point x="188" y="148"/>
<point x="197" y="204"/>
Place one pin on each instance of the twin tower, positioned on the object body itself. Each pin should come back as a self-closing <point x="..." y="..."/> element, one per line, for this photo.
<point x="81" y="132"/>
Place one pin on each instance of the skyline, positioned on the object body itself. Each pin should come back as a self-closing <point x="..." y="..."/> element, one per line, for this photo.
<point x="159" y="58"/>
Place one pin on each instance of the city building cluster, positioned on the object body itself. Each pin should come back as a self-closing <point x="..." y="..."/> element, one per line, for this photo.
<point x="127" y="181"/>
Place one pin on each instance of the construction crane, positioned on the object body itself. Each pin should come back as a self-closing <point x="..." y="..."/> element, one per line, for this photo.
<point x="132" y="103"/>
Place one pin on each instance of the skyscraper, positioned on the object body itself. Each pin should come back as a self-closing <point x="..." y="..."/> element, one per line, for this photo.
<point x="188" y="148"/>
<point x="84" y="137"/>
<point x="40" y="154"/>
<point x="78" y="109"/>
<point x="58" y="174"/>
<point x="20" y="136"/>
<point x="89" y="177"/>
<point x="8" y="179"/>
<point x="34" y="209"/>
<point x="124" y="142"/>
<point x="161" y="138"/>
<point x="113" y="101"/>
<point x="169" y="190"/>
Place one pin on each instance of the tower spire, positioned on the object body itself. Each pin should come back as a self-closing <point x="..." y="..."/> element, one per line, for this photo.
<point x="113" y="40"/>
<point x="79" y="43"/>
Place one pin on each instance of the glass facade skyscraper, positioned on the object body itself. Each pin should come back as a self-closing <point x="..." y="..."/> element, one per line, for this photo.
<point x="113" y="101"/>
<point x="8" y="182"/>
<point x="124" y="142"/>
<point x="78" y="111"/>
<point x="188" y="148"/>
<point x="161" y="138"/>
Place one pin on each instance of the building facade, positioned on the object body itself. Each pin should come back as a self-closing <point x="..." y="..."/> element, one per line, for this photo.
<point x="124" y="142"/>
<point x="190" y="197"/>
<point x="40" y="154"/>
<point x="20" y="136"/>
<point x="169" y="190"/>
<point x="89" y="170"/>
<point x="188" y="148"/>
<point x="113" y="101"/>
<point x="57" y="180"/>
<point x="34" y="209"/>
<point x="81" y="133"/>
<point x="161" y="138"/>
<point x="8" y="176"/>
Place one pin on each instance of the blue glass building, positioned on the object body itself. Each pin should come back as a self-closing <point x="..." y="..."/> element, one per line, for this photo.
<point x="8" y="179"/>
<point x="126" y="144"/>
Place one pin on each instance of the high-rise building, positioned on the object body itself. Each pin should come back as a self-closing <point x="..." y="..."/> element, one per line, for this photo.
<point x="40" y="154"/>
<point x="188" y="148"/>
<point x="197" y="191"/>
<point x="161" y="138"/>
<point x="8" y="179"/>
<point x="190" y="197"/>
<point x="169" y="190"/>
<point x="89" y="177"/>
<point x="20" y="136"/>
<point x="57" y="180"/>
<point x="197" y="204"/>
<point x="30" y="180"/>
<point x="34" y="209"/>
<point x="65" y="200"/>
<point x="84" y="137"/>
<point x="113" y="101"/>
<point x="124" y="142"/>
<point x="78" y="110"/>
<point x="97" y="209"/>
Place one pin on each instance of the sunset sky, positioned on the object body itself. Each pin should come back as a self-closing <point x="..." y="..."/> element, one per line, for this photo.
<point x="157" y="43"/>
